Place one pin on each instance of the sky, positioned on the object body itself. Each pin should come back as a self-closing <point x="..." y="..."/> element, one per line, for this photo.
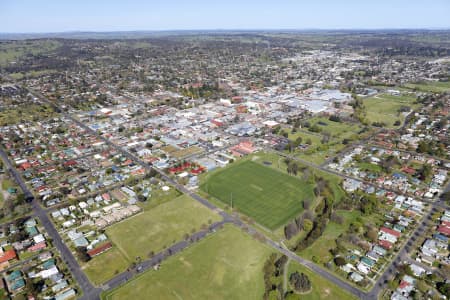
<point x="25" y="16"/>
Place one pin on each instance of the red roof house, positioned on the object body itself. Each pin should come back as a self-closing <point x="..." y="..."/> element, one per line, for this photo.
<point x="38" y="246"/>
<point x="7" y="256"/>
<point x="390" y="231"/>
<point x="217" y="122"/>
<point x="444" y="230"/>
<point x="243" y="148"/>
<point x="100" y="249"/>
<point x="445" y="223"/>
<point x="385" y="244"/>
<point x="70" y="163"/>
<point x="106" y="197"/>
<point x="25" y="166"/>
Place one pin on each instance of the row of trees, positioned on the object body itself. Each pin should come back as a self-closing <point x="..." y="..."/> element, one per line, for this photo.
<point x="303" y="222"/>
<point x="300" y="282"/>
<point x="323" y="213"/>
<point x="274" y="269"/>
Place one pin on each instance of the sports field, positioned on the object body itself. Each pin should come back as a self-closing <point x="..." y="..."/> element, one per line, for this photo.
<point x="225" y="265"/>
<point x="384" y="108"/>
<point x="150" y="231"/>
<point x="159" y="227"/>
<point x="268" y="196"/>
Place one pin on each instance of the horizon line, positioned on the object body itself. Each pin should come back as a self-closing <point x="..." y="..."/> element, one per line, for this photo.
<point x="229" y="29"/>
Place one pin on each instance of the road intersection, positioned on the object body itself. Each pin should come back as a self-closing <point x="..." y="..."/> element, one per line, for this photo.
<point x="90" y="291"/>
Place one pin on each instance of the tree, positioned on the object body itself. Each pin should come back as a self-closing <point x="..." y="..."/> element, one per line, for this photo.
<point x="64" y="190"/>
<point x="334" y="118"/>
<point x="20" y="235"/>
<point x="294" y="168"/>
<point x="444" y="288"/>
<point x="368" y="204"/>
<point x="290" y="230"/>
<point x="82" y="254"/>
<point x="298" y="141"/>
<point x="306" y="204"/>
<point x="423" y="147"/>
<point x="446" y="196"/>
<point x="336" y="218"/>
<point x="315" y="128"/>
<point x="339" y="261"/>
<point x="8" y="206"/>
<point x="308" y="215"/>
<point x="372" y="235"/>
<point x="306" y="174"/>
<point x="290" y="146"/>
<point x="269" y="270"/>
<point x="325" y="138"/>
<point x="307" y="225"/>
<point x="300" y="282"/>
<point x="425" y="172"/>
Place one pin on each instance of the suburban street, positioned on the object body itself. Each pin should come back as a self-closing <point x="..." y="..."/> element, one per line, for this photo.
<point x="159" y="257"/>
<point x="227" y="217"/>
<point x="92" y="292"/>
<point x="89" y="291"/>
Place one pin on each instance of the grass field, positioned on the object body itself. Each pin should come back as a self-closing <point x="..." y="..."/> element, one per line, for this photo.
<point x="7" y="183"/>
<point x="158" y="196"/>
<point x="268" y="196"/>
<point x="182" y="153"/>
<point x="149" y="231"/>
<point x="317" y="152"/>
<point x="226" y="265"/>
<point x="338" y="130"/>
<point x="105" y="266"/>
<point x="27" y="112"/>
<point x="12" y="51"/>
<point x="32" y="74"/>
<point x="384" y="108"/>
<point x="430" y="86"/>
<point x="278" y="163"/>
<point x="312" y="154"/>
<point x="305" y="135"/>
<point x="159" y="227"/>
<point x="369" y="167"/>
<point x="322" y="289"/>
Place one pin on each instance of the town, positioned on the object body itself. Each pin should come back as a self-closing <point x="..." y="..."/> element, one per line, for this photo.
<point x="286" y="165"/>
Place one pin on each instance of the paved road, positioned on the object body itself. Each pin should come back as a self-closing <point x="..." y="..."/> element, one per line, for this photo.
<point x="206" y="203"/>
<point x="350" y="146"/>
<point x="345" y="176"/>
<point x="402" y="255"/>
<point x="89" y="291"/>
<point x="228" y="218"/>
<point x="318" y="270"/>
<point x="159" y="257"/>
